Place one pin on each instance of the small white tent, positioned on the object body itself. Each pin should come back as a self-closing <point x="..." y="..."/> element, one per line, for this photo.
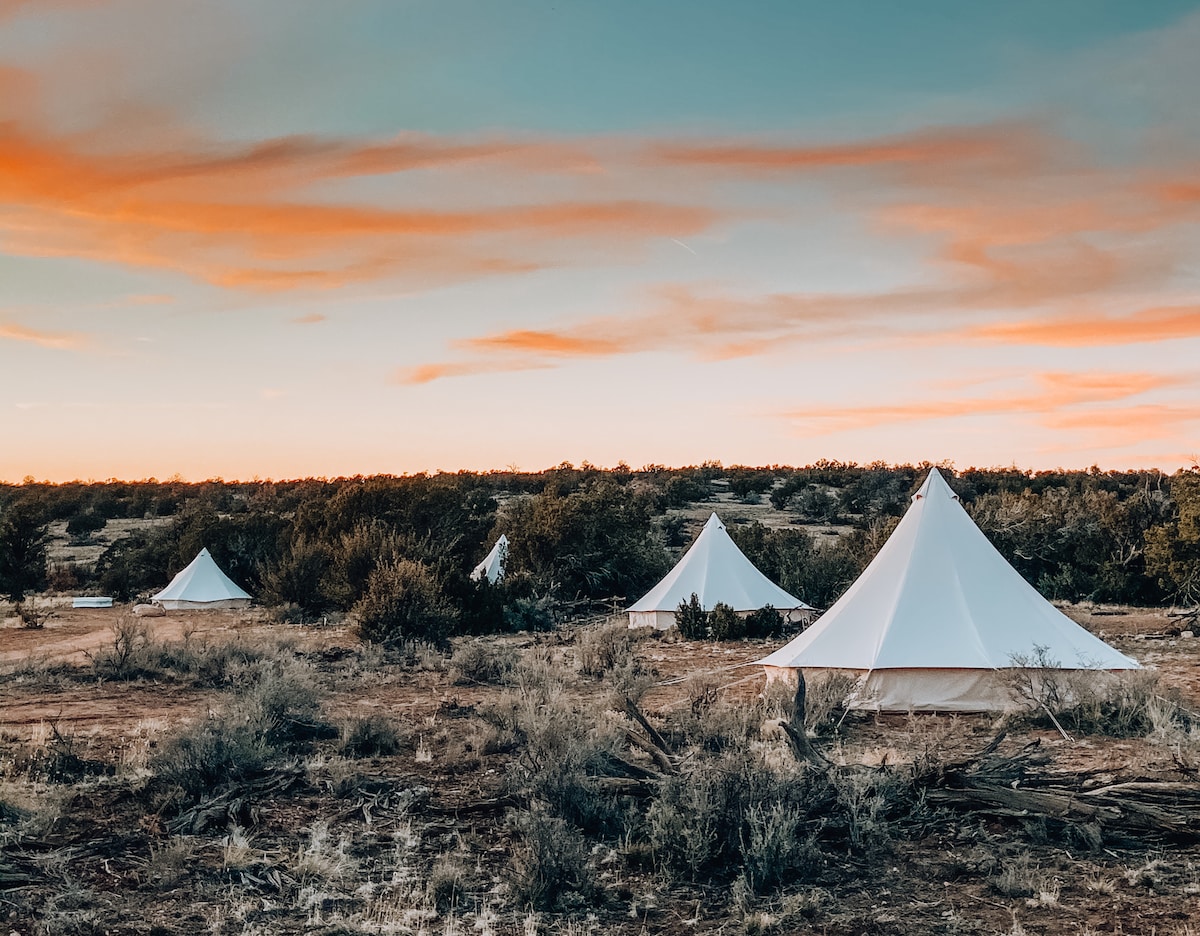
<point x="201" y="584"/>
<point x="937" y="617"/>
<point x="493" y="563"/>
<point x="715" y="570"/>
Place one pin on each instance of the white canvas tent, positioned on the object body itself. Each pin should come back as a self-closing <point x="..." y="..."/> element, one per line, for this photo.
<point x="493" y="563"/>
<point x="936" y="619"/>
<point x="201" y="584"/>
<point x="715" y="570"/>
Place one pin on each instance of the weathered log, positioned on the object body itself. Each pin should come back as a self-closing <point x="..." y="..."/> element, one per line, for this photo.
<point x="636" y="714"/>
<point x="663" y="761"/>
<point x="803" y="749"/>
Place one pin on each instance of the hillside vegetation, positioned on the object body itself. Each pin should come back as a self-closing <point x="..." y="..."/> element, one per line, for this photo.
<point x="580" y="536"/>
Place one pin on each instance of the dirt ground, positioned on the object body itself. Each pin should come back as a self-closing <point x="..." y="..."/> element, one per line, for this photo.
<point x="940" y="883"/>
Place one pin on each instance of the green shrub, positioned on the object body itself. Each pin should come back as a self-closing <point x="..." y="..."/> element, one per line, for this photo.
<point x="692" y="619"/>
<point x="765" y="622"/>
<point x="274" y="714"/>
<point x="404" y="601"/>
<point x="826" y="700"/>
<point x="725" y="623"/>
<point x="776" y="848"/>
<point x="84" y="523"/>
<point x="529" y="614"/>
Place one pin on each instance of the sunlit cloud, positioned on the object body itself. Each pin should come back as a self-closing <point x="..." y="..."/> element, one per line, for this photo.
<point x="60" y="341"/>
<point x="428" y="373"/>
<point x="246" y="217"/>
<point x="1076" y="330"/>
<point x="313" y="318"/>
<point x="1059" y="400"/>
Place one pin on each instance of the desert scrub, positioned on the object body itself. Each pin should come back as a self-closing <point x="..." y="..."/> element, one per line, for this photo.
<point x="1128" y="704"/>
<point x="561" y="750"/>
<point x="549" y="866"/>
<point x="133" y="653"/>
<point x="275" y="713"/>
<point x="373" y="736"/>
<point x="734" y="814"/>
<point x="483" y="661"/>
<point x="605" y="647"/>
<point x="404" y="601"/>
<point x="692" y="619"/>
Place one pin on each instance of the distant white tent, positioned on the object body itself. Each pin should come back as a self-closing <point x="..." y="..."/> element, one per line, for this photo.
<point x="201" y="584"/>
<point x="493" y="563"/>
<point x="937" y="617"/>
<point x="715" y="570"/>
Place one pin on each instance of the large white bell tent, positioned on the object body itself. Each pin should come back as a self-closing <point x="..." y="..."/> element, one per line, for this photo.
<point x="715" y="570"/>
<point x="939" y="618"/>
<point x="493" y="563"/>
<point x="201" y="584"/>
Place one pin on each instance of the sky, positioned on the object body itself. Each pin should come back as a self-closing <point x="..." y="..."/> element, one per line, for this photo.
<point x="292" y="238"/>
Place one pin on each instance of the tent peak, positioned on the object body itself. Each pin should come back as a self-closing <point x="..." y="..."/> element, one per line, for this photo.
<point x="934" y="485"/>
<point x="713" y="521"/>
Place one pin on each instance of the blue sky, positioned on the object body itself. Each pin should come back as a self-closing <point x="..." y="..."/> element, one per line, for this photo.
<point x="285" y="239"/>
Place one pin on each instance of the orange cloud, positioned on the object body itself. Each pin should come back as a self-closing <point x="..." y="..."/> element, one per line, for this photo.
<point x="11" y="331"/>
<point x="427" y="373"/>
<point x="243" y="217"/>
<point x="1162" y="323"/>
<point x="1059" y="400"/>
<point x="549" y="343"/>
<point x="313" y="318"/>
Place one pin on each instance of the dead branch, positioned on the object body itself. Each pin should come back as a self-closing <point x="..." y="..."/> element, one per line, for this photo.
<point x="662" y="760"/>
<point x="636" y="714"/>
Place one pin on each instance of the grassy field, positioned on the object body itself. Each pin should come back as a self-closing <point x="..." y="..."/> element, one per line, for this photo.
<point x="215" y="772"/>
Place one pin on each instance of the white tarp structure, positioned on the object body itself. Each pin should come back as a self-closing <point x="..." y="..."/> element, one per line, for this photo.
<point x="201" y="584"/>
<point x="715" y="570"/>
<point x="92" y="601"/>
<point x="936" y="619"/>
<point x="493" y="563"/>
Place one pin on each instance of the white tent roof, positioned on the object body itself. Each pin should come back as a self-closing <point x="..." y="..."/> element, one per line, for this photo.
<point x="201" y="581"/>
<point x="493" y="563"/>
<point x="939" y="596"/>
<point x="716" y="570"/>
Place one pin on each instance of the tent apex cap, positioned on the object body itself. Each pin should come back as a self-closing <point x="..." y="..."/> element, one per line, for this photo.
<point x="934" y="484"/>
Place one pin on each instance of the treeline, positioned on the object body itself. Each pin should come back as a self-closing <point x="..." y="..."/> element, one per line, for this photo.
<point x="398" y="550"/>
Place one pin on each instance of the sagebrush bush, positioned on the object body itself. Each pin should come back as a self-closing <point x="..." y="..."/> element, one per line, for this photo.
<point x="529" y="614"/>
<point x="605" y="647"/>
<point x="562" y="748"/>
<point x="274" y="713"/>
<point x="826" y="699"/>
<point x="777" y="848"/>
<point x="549" y="863"/>
<point x="373" y="736"/>
<point x="134" y="654"/>
<point x="732" y="813"/>
<point x="484" y="661"/>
